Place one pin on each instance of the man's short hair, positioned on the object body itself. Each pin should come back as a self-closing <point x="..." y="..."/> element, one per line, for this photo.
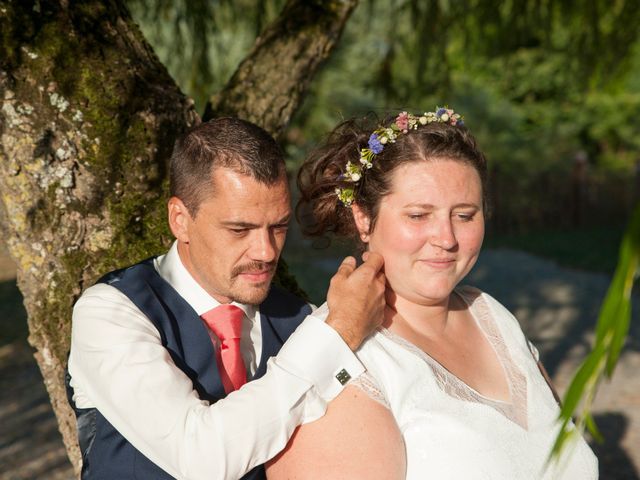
<point x="222" y="142"/>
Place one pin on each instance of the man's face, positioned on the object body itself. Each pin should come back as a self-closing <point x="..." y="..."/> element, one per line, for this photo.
<point x="232" y="245"/>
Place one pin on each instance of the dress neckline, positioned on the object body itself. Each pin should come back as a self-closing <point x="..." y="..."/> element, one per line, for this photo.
<point x="516" y="408"/>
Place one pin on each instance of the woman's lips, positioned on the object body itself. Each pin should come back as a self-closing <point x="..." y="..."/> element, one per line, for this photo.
<point x="439" y="263"/>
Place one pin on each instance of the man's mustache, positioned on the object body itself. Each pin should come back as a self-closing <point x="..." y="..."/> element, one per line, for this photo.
<point x="253" y="267"/>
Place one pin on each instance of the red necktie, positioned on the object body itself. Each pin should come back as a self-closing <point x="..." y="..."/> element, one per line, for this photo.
<point x="226" y="322"/>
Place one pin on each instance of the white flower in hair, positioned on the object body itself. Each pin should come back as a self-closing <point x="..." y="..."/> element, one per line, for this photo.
<point x="403" y="124"/>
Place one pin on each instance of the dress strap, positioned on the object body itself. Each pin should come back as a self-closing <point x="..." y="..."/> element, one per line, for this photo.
<point x="370" y="386"/>
<point x="543" y="371"/>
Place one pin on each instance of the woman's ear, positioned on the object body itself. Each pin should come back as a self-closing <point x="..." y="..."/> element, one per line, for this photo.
<point x="363" y="222"/>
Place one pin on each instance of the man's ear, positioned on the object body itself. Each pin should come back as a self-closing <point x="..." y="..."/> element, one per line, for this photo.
<point x="363" y="222"/>
<point x="179" y="219"/>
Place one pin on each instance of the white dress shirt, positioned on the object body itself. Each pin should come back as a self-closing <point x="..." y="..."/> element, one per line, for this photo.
<point x="119" y="366"/>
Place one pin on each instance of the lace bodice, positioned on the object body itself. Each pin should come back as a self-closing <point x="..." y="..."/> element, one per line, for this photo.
<point x="451" y="430"/>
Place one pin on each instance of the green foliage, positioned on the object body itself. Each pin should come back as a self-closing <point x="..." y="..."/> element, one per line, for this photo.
<point x="201" y="42"/>
<point x="611" y="332"/>
<point x="586" y="248"/>
<point x="539" y="81"/>
<point x="532" y="101"/>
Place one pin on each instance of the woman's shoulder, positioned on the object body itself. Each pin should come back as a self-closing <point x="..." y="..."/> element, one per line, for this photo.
<point x="356" y="438"/>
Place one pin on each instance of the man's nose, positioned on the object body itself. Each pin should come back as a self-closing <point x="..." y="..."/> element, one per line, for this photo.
<point x="263" y="246"/>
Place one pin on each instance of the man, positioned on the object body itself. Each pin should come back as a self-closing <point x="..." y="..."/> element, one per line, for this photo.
<point x="157" y="347"/>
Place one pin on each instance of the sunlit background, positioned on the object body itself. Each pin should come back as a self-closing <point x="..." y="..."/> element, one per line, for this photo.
<point x="551" y="89"/>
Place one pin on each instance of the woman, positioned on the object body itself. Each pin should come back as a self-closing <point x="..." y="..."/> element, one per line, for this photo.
<point x="452" y="388"/>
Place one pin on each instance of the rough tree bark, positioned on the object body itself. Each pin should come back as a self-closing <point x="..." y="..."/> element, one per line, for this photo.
<point x="89" y="115"/>
<point x="88" y="119"/>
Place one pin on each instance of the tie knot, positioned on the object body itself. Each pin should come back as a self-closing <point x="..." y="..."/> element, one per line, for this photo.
<point x="225" y="321"/>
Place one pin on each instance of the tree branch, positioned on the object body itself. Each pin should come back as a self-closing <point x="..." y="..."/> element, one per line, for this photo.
<point x="268" y="86"/>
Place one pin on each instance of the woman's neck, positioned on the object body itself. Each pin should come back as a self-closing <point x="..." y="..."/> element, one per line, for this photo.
<point x="429" y="318"/>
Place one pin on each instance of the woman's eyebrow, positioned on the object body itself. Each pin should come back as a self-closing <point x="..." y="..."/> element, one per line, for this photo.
<point x="428" y="206"/>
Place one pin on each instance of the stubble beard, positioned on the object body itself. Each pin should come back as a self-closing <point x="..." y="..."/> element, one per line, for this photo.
<point x="253" y="293"/>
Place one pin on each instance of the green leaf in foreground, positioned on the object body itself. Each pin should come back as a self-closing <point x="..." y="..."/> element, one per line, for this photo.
<point x="611" y="332"/>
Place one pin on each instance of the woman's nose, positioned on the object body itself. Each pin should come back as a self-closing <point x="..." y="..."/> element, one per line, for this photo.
<point x="443" y="234"/>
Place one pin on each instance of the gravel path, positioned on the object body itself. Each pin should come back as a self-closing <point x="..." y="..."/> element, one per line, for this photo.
<point x="557" y="308"/>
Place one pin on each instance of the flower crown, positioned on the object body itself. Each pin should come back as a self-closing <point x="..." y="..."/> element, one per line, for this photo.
<point x="383" y="135"/>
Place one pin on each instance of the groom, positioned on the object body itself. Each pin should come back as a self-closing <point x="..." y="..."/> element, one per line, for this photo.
<point x="173" y="370"/>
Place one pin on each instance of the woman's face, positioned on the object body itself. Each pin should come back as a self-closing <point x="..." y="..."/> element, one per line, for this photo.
<point x="429" y="229"/>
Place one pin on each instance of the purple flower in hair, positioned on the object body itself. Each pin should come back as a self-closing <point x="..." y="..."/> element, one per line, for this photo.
<point x="374" y="144"/>
<point x="440" y="112"/>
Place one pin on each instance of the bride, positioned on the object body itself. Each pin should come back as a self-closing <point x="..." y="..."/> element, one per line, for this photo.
<point x="452" y="388"/>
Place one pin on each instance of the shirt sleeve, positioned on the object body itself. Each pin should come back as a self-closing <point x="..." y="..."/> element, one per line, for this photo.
<point x="317" y="353"/>
<point x="119" y="366"/>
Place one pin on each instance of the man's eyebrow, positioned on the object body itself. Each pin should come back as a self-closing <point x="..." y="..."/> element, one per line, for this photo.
<point x="239" y="224"/>
<point x="248" y="225"/>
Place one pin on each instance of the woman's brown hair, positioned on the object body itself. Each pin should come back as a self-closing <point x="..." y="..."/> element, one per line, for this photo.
<point x="320" y="212"/>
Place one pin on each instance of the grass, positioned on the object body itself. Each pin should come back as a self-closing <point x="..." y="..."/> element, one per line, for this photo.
<point x="593" y="249"/>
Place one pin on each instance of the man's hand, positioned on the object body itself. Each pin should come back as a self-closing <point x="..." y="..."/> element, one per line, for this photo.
<point x="356" y="298"/>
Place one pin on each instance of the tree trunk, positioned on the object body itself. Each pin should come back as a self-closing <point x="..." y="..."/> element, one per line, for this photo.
<point x="89" y="116"/>
<point x="269" y="84"/>
<point x="88" y="119"/>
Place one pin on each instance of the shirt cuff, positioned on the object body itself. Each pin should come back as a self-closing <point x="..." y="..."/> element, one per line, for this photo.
<point x="317" y="353"/>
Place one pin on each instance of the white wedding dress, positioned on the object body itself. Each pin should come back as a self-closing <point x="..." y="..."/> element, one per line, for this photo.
<point x="453" y="432"/>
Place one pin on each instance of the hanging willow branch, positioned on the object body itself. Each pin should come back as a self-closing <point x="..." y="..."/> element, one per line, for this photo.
<point x="611" y="332"/>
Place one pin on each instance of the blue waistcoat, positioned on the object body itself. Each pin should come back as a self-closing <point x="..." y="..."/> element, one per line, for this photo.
<point x="108" y="455"/>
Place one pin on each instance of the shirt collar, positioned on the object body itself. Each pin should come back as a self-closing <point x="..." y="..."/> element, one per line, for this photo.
<point x="172" y="269"/>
